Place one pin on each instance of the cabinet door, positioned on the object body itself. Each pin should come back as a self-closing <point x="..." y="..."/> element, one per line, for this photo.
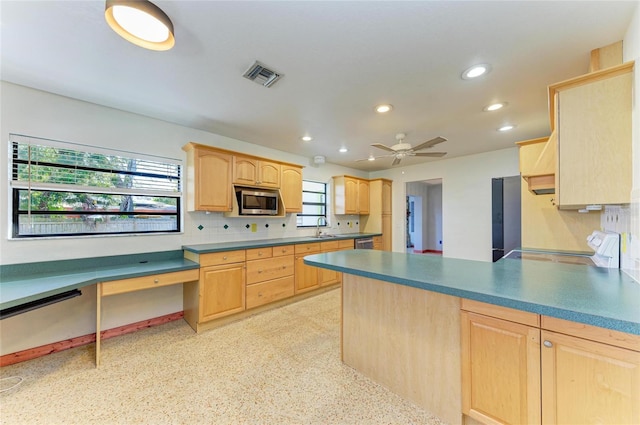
<point x="222" y="291"/>
<point x="386" y="197"/>
<point x="306" y="276"/>
<point x="245" y="171"/>
<point x="386" y="232"/>
<point x="269" y="174"/>
<point x="586" y="382"/>
<point x="594" y="143"/>
<point x="291" y="188"/>
<point x="350" y="196"/>
<point x="500" y="370"/>
<point x="363" y="197"/>
<point x="212" y="183"/>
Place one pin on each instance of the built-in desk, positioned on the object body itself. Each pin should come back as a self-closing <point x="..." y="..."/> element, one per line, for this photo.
<point x="27" y="283"/>
<point x="123" y="286"/>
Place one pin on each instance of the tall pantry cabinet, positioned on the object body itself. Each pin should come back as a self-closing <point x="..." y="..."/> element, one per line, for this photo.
<point x="379" y="219"/>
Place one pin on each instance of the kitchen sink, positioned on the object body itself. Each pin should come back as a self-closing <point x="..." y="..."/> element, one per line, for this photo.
<point x="326" y="236"/>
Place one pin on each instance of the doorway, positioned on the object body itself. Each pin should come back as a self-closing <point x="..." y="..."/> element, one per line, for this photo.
<point x="424" y="217"/>
<point x="505" y="215"/>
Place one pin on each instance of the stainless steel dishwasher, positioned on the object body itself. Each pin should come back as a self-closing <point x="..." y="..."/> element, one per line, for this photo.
<point x="363" y="243"/>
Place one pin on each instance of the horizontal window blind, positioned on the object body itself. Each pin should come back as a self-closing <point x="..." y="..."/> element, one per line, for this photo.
<point x="76" y="189"/>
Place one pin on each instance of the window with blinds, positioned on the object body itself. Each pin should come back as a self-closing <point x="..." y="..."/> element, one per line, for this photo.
<point x="314" y="204"/>
<point x="67" y="189"/>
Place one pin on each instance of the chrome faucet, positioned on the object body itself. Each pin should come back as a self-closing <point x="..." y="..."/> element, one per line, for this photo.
<point x="318" y="226"/>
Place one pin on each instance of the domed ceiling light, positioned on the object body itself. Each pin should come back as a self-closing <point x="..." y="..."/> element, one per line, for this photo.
<point x="141" y="23"/>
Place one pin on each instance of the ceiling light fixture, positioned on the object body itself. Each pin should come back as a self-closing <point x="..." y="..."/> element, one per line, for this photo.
<point x="494" y="106"/>
<point x="371" y="158"/>
<point x="384" y="108"/>
<point x="507" y="127"/>
<point x="343" y="150"/>
<point x="476" y="71"/>
<point x="307" y="138"/>
<point x="141" y="23"/>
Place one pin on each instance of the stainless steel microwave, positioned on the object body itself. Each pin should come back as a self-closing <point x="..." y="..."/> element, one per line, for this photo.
<point x="257" y="202"/>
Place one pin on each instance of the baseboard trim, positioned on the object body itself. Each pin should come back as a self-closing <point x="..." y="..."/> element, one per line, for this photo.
<point x="43" y="350"/>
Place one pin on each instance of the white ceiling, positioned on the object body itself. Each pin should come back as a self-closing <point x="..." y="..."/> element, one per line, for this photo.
<point x="339" y="59"/>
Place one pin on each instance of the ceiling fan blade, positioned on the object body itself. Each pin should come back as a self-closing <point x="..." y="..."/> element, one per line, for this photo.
<point x="381" y="146"/>
<point x="433" y="154"/>
<point x="430" y="143"/>
<point x="396" y="161"/>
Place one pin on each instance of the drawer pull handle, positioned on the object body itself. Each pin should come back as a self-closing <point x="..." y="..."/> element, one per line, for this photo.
<point x="156" y="281"/>
<point x="259" y="271"/>
<point x="547" y="344"/>
<point x="260" y="254"/>
<point x="224" y="258"/>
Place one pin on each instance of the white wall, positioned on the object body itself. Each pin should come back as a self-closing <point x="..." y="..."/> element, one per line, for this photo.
<point x="631" y="51"/>
<point x="466" y="199"/>
<point x="36" y="113"/>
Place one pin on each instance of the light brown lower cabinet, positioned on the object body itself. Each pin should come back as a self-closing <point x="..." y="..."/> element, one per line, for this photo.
<point x="500" y="370"/>
<point x="514" y="372"/>
<point x="222" y="290"/>
<point x="587" y="382"/>
<point x="306" y="277"/>
<point x="270" y="275"/>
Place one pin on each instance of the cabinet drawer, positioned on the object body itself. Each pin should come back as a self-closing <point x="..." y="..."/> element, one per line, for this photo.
<point x="146" y="282"/>
<point x="308" y="248"/>
<point x="279" y="251"/>
<point x="500" y="312"/>
<point x="258" y="253"/>
<point x="329" y="246"/>
<point x="345" y="244"/>
<point x="269" y="268"/>
<point x="594" y="333"/>
<point x="266" y="292"/>
<point x="219" y="258"/>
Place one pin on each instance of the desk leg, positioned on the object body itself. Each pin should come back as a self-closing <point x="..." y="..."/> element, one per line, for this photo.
<point x="98" y="302"/>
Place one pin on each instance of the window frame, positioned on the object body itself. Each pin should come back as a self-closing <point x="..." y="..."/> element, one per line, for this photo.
<point x="148" y="187"/>
<point x="325" y="205"/>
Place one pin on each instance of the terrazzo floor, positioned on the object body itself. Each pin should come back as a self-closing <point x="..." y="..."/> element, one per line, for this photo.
<point x="278" y="367"/>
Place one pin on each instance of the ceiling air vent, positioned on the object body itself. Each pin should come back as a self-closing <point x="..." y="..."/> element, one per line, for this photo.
<point x="259" y="73"/>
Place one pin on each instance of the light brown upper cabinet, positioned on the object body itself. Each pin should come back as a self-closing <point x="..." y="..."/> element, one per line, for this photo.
<point x="208" y="179"/>
<point x="254" y="172"/>
<point x="291" y="188"/>
<point x="363" y="196"/>
<point x="212" y="172"/>
<point x="591" y="116"/>
<point x="347" y="198"/>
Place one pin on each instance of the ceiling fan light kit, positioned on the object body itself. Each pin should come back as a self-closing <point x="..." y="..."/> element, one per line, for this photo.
<point x="402" y="150"/>
<point x="141" y="23"/>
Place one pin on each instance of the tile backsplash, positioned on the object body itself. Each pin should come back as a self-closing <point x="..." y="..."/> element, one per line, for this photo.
<point x="625" y="220"/>
<point x="200" y="227"/>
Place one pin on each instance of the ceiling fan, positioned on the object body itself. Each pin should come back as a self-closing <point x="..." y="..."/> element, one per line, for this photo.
<point x="401" y="150"/>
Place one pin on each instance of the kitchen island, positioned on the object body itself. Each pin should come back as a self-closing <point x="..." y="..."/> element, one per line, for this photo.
<point x="405" y="325"/>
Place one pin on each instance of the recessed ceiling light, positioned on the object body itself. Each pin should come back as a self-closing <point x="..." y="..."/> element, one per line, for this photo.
<point x="476" y="71"/>
<point x="307" y="138"/>
<point x="494" y="106"/>
<point x="381" y="109"/>
<point x="371" y="158"/>
<point x="343" y="150"/>
<point x="141" y="23"/>
<point x="507" y="127"/>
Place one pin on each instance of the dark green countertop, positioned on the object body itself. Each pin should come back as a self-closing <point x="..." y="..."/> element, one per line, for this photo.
<point x="597" y="296"/>
<point x="260" y="243"/>
<point x="23" y="283"/>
